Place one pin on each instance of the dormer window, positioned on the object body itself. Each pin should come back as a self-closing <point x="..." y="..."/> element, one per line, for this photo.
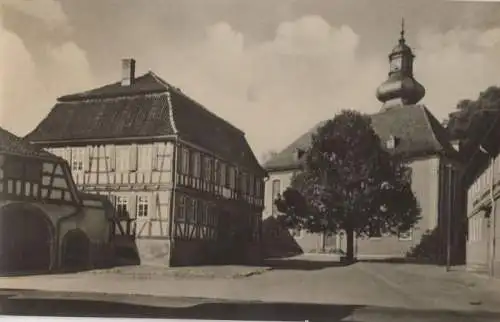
<point x="391" y="142"/>
<point x="298" y="154"/>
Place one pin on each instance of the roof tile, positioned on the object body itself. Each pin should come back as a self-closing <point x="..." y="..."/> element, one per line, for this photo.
<point x="10" y="143"/>
<point x="417" y="130"/>
<point x="152" y="108"/>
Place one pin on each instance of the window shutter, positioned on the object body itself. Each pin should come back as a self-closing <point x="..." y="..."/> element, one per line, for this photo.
<point x="67" y="155"/>
<point x="153" y="206"/>
<point x="133" y="157"/>
<point x="155" y="164"/>
<point x="179" y="159"/>
<point x="133" y="206"/>
<point x="111" y="157"/>
<point x="216" y="172"/>
<point x="87" y="154"/>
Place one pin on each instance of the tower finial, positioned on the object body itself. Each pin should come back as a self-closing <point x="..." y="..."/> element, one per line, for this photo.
<point x="402" y="39"/>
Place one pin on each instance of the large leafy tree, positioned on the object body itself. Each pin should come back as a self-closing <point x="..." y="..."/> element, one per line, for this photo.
<point x="350" y="183"/>
<point x="472" y="117"/>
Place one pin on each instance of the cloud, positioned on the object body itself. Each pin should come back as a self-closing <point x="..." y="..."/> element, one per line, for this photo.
<point x="49" y="11"/>
<point x="274" y="85"/>
<point x="29" y="86"/>
<point x="277" y="89"/>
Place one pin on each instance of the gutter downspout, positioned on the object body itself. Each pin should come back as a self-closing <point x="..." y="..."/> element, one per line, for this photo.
<point x="172" y="197"/>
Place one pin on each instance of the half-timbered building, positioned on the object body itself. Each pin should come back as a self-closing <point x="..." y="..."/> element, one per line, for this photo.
<point x="45" y="222"/>
<point x="186" y="182"/>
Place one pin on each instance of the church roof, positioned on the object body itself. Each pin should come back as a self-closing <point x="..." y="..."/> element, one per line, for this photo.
<point x="148" y="108"/>
<point x="12" y="144"/>
<point x="417" y="131"/>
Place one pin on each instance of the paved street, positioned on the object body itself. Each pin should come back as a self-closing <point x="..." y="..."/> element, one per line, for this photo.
<point x="303" y="288"/>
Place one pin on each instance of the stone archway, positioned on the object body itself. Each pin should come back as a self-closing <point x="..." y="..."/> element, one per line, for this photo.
<point x="26" y="237"/>
<point x="75" y="254"/>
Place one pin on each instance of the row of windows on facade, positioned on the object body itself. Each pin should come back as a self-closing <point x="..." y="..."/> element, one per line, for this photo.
<point x="116" y="158"/>
<point x="34" y="180"/>
<point x="190" y="210"/>
<point x="483" y="182"/>
<point x="142" y="206"/>
<point x="144" y="158"/>
<point x="218" y="172"/>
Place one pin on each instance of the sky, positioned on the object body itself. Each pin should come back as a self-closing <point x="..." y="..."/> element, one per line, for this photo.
<point x="272" y="68"/>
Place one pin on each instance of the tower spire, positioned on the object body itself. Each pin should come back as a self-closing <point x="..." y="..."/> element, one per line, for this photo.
<point x="400" y="88"/>
<point x="402" y="33"/>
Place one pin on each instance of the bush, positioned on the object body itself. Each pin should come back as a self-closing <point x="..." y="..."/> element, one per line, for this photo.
<point x="429" y="248"/>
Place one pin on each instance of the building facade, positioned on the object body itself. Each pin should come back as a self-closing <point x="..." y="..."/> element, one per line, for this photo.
<point x="405" y="128"/>
<point x="482" y="178"/>
<point x="46" y="224"/>
<point x="186" y="182"/>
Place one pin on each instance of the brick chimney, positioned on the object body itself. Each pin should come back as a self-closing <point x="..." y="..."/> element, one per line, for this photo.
<point x="128" y="71"/>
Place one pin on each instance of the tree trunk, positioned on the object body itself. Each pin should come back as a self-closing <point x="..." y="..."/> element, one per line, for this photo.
<point x="350" y="244"/>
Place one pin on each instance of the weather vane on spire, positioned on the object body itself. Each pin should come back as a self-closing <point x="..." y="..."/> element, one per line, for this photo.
<point x="402" y="30"/>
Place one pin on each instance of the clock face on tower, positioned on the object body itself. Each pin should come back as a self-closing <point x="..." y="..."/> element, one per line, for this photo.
<point x="396" y="64"/>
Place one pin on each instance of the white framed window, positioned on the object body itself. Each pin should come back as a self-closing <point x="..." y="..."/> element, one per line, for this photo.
<point x="244" y="183"/>
<point x="196" y="159"/>
<point x="230" y="180"/>
<point x="192" y="210"/>
<point x="122" y="158"/>
<point x="223" y="174"/>
<point x="142" y="206"/>
<point x="122" y="206"/>
<point x="77" y="159"/>
<point x="185" y="161"/>
<point x="216" y="174"/>
<point x="207" y="168"/>
<point x="391" y="142"/>
<point x="181" y="209"/>
<point x="405" y="235"/>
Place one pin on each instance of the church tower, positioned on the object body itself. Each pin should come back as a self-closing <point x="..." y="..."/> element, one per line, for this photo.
<point x="400" y="88"/>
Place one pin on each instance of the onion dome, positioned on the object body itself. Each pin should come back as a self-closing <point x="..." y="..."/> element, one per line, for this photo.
<point x="400" y="88"/>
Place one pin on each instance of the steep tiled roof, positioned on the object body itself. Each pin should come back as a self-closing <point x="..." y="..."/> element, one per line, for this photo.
<point x="149" y="108"/>
<point x="416" y="130"/>
<point x="145" y="84"/>
<point x="11" y="144"/>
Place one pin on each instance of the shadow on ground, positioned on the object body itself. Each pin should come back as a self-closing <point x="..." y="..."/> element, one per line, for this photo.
<point x="213" y="311"/>
<point x="302" y="264"/>
<point x="222" y="310"/>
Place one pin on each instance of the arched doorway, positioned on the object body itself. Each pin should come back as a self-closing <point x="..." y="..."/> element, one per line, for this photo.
<point x="26" y="236"/>
<point x="75" y="251"/>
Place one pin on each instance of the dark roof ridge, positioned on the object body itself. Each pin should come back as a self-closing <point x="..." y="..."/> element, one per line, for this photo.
<point x="179" y="92"/>
<point x="90" y="93"/>
<point x="110" y="98"/>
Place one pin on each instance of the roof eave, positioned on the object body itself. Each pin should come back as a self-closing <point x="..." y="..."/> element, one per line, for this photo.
<point x="103" y="140"/>
<point x="279" y="168"/>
